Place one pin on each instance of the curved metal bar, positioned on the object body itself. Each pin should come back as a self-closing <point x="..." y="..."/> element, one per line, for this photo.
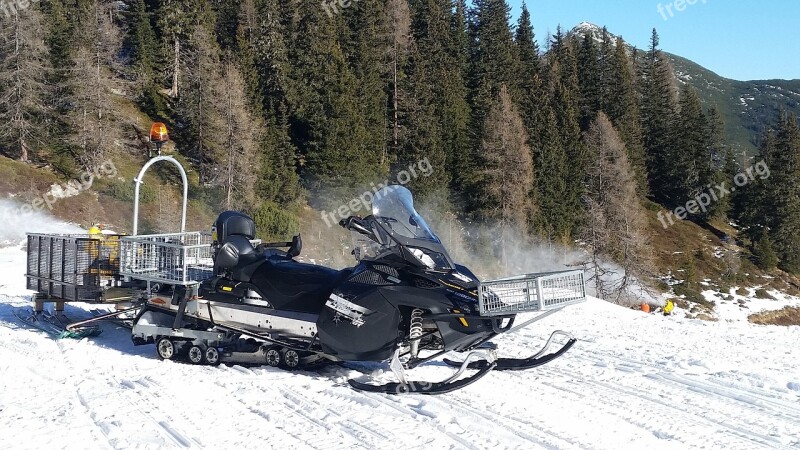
<point x="140" y="179"/>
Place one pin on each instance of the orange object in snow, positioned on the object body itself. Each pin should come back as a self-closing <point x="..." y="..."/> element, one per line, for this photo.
<point x="646" y="308"/>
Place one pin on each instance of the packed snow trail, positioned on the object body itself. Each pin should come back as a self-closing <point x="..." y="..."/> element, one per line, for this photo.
<point x="632" y="381"/>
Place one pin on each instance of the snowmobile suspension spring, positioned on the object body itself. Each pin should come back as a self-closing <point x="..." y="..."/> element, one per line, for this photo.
<point x="415" y="331"/>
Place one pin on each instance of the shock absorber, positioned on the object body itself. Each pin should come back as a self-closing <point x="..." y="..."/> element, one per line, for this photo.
<point x="415" y="331"/>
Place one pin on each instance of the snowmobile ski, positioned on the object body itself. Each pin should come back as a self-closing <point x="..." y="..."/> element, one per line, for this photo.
<point x="422" y="387"/>
<point x="536" y="360"/>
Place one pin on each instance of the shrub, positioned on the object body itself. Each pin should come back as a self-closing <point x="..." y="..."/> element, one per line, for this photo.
<point x="787" y="316"/>
<point x="124" y="191"/>
<point x="765" y="257"/>
<point x="274" y="223"/>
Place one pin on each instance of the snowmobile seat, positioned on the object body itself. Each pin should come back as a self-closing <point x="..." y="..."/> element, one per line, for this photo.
<point x="296" y="286"/>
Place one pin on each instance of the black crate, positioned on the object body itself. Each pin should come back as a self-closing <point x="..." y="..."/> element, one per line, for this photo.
<point x="72" y="267"/>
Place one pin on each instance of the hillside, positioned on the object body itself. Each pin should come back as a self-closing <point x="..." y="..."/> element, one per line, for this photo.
<point x="748" y="108"/>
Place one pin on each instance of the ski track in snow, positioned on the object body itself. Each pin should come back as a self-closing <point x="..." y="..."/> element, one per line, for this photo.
<point x="632" y="381"/>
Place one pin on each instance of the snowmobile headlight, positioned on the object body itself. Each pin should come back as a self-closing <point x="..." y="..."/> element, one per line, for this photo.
<point x="423" y="257"/>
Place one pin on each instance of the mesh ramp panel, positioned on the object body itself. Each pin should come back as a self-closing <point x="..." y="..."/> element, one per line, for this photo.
<point x="531" y="293"/>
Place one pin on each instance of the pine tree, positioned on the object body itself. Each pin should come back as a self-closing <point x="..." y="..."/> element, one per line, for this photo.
<point x="689" y="170"/>
<point x="24" y="66"/>
<point x="140" y="40"/>
<point x="493" y="56"/>
<point x="589" y="78"/>
<point x="565" y="105"/>
<point x="366" y="48"/>
<point x="658" y="108"/>
<point x="785" y="195"/>
<point x="532" y="101"/>
<point x="721" y="160"/>
<point x="265" y="67"/>
<point x="622" y="107"/>
<point x="764" y="253"/>
<point x="325" y="119"/>
<point x="177" y="22"/>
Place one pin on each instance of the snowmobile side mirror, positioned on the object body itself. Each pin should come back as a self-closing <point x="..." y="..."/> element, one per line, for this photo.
<point x="295" y="247"/>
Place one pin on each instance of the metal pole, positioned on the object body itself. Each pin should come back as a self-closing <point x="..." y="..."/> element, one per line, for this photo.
<point x="140" y="179"/>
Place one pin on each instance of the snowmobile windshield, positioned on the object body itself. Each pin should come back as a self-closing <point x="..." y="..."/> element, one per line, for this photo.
<point x="393" y="208"/>
<point x="398" y="228"/>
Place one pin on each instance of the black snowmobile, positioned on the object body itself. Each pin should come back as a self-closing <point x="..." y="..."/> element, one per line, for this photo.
<point x="405" y="302"/>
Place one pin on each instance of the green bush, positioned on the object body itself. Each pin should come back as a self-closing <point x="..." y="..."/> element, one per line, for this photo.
<point x="274" y="223"/>
<point x="765" y="257"/>
<point x="124" y="191"/>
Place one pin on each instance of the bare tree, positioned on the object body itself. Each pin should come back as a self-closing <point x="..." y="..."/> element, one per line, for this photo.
<point x="507" y="171"/>
<point x="400" y="20"/>
<point x="93" y="84"/>
<point x="615" y="225"/>
<point x="239" y="162"/>
<point x="200" y="103"/>
<point x="24" y="65"/>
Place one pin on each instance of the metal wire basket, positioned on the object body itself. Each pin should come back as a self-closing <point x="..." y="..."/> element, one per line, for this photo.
<point x="172" y="258"/>
<point x="531" y="293"/>
<point x="72" y="267"/>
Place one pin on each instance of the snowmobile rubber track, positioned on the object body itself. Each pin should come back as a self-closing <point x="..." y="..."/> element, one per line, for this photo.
<point x="422" y="387"/>
<point x="517" y="363"/>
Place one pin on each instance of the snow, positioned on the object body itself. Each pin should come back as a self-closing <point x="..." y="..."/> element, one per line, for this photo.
<point x="632" y="381"/>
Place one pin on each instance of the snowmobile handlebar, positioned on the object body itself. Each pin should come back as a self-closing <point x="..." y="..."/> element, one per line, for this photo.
<point x="355" y="223"/>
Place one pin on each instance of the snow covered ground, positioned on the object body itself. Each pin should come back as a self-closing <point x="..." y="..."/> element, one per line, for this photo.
<point x="632" y="381"/>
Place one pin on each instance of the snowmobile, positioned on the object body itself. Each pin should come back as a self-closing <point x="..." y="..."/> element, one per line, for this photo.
<point x="405" y="301"/>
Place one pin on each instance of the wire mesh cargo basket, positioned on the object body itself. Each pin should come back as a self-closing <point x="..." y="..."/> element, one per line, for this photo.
<point x="173" y="258"/>
<point x="72" y="267"/>
<point x="530" y="293"/>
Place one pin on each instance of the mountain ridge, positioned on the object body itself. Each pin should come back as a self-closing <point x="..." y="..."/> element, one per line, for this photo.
<point x="748" y="107"/>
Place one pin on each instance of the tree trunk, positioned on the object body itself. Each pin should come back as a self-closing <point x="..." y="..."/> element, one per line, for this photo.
<point x="173" y="92"/>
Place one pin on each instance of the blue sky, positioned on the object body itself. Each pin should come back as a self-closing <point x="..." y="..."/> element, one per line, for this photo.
<point x="739" y="39"/>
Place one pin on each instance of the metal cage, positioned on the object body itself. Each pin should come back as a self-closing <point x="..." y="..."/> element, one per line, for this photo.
<point x="172" y="258"/>
<point x="531" y="293"/>
<point x="72" y="267"/>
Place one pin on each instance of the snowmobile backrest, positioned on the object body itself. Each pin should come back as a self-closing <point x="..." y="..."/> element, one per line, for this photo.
<point x="234" y="223"/>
